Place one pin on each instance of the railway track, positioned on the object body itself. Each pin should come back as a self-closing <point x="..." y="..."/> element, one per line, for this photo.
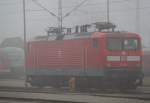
<point x="139" y="94"/>
<point x="29" y="100"/>
<point x="141" y="90"/>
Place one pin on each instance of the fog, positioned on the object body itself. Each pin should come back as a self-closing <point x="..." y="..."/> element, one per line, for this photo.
<point x="122" y="13"/>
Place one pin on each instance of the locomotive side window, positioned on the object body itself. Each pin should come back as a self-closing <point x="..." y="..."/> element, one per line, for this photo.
<point x="95" y="43"/>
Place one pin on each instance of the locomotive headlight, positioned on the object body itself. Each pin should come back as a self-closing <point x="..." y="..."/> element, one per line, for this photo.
<point x="133" y="58"/>
<point x="113" y="58"/>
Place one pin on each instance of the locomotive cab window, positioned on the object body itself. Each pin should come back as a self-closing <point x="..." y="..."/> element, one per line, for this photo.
<point x="130" y="44"/>
<point x="95" y="43"/>
<point x="114" y="44"/>
<point x="122" y="44"/>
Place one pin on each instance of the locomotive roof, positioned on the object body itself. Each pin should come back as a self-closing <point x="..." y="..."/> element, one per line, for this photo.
<point x="100" y="34"/>
<point x="91" y="35"/>
<point x="121" y="34"/>
<point x="79" y="35"/>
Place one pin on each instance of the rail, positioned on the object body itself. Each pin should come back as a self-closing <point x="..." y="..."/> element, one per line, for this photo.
<point x="135" y="94"/>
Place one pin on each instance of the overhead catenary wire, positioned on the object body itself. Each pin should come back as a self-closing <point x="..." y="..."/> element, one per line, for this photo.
<point x="60" y="16"/>
<point x="74" y="9"/>
<point x="40" y="5"/>
<point x="86" y="5"/>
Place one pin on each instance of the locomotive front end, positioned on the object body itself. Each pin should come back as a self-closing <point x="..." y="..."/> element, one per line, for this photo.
<point x="123" y="60"/>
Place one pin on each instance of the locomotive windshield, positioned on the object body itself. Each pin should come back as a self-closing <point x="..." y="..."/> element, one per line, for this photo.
<point x="122" y="44"/>
<point x="130" y="44"/>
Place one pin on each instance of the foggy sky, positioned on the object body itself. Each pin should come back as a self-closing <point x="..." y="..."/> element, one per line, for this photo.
<point x="122" y="13"/>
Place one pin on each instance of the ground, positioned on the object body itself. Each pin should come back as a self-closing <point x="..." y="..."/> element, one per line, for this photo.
<point x="74" y="97"/>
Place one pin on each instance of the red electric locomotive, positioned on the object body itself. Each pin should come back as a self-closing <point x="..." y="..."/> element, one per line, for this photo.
<point x="95" y="59"/>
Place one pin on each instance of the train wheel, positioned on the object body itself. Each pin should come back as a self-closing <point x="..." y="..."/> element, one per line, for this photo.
<point x="82" y="84"/>
<point x="132" y="87"/>
<point x="56" y="85"/>
<point x="37" y="82"/>
<point x="37" y="85"/>
<point x="40" y="86"/>
<point x="56" y="82"/>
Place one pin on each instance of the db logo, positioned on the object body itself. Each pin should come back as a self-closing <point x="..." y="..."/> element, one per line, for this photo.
<point x="123" y="53"/>
<point x="59" y="53"/>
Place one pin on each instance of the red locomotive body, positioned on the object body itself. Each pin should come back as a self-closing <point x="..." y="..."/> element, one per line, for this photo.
<point x="146" y="62"/>
<point x="4" y="65"/>
<point x="99" y="59"/>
